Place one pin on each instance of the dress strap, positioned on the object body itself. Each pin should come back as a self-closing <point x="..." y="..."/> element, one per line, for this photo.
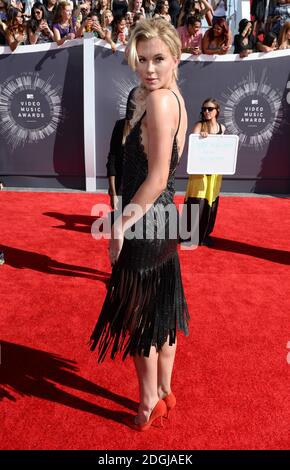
<point x="179" y="107"/>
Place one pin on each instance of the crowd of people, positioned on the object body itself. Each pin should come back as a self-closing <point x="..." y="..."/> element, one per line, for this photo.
<point x="35" y="22"/>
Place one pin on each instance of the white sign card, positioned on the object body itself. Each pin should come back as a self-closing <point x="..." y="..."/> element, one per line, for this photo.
<point x="211" y="155"/>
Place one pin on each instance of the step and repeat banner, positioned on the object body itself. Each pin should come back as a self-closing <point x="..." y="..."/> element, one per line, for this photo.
<point x="42" y="93"/>
<point x="254" y="94"/>
<point x="41" y="116"/>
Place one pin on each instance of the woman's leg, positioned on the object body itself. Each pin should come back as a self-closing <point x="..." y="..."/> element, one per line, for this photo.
<point x="147" y="372"/>
<point x="165" y="366"/>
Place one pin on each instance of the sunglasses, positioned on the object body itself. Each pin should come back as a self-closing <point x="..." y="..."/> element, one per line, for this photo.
<point x="207" y="108"/>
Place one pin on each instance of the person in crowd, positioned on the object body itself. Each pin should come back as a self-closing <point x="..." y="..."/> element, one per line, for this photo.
<point x="92" y="24"/>
<point x="107" y="21"/>
<point x="16" y="31"/>
<point x="145" y="304"/>
<point x="279" y="14"/>
<point x="65" y="26"/>
<point x="16" y="4"/>
<point x="220" y="8"/>
<point x="244" y="41"/>
<point x="3" y="21"/>
<point x="129" y="20"/>
<point x="81" y="12"/>
<point x="3" y="10"/>
<point x="161" y="10"/>
<point x="137" y="17"/>
<point x="203" y="190"/>
<point x="38" y="29"/>
<point x="191" y="36"/>
<point x="268" y="44"/>
<point x="116" y="153"/>
<point x="217" y="39"/>
<point x="102" y="6"/>
<point x="50" y="9"/>
<point x="197" y="8"/>
<point x="149" y="7"/>
<point x="135" y="6"/>
<point x="120" y="7"/>
<point x="120" y="33"/>
<point x="174" y="10"/>
<point x="284" y="39"/>
<point x="258" y="15"/>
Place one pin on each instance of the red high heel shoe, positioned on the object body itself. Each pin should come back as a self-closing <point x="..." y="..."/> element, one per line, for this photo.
<point x="170" y="402"/>
<point x="158" y="411"/>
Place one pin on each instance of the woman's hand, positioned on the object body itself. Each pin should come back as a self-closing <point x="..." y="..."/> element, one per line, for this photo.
<point x="114" y="201"/>
<point x="70" y="36"/>
<point x="244" y="53"/>
<point x="115" y="244"/>
<point x="203" y="134"/>
<point x="196" y="51"/>
<point x="225" y="47"/>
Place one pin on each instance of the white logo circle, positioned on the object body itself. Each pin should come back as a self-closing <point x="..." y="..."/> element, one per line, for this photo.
<point x="30" y="109"/>
<point x="253" y="111"/>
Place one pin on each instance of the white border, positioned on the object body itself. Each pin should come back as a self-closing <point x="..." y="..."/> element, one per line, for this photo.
<point x="89" y="112"/>
<point x="40" y="47"/>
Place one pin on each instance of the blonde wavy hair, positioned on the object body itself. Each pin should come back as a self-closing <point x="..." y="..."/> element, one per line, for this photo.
<point x="145" y="30"/>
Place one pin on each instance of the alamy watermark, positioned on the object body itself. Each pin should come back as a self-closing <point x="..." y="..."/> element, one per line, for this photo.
<point x="154" y="222"/>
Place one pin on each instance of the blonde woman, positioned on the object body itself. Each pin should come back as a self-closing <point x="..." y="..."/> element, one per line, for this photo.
<point x="107" y="20"/>
<point x="145" y="304"/>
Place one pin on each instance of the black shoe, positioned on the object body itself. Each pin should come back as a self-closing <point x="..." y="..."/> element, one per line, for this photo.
<point x="208" y="241"/>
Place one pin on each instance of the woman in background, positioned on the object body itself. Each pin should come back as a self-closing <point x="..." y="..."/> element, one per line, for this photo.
<point x="218" y="39"/>
<point x="38" y="29"/>
<point x="16" y="30"/>
<point x="244" y="41"/>
<point x="203" y="190"/>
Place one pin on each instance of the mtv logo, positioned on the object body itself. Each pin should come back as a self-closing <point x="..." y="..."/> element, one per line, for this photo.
<point x="30" y="97"/>
<point x="254" y="101"/>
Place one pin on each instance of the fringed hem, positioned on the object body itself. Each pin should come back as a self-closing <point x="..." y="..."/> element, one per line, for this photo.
<point x="142" y="309"/>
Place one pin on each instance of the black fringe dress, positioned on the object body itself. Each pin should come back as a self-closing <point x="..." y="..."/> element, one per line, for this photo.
<point x="145" y="303"/>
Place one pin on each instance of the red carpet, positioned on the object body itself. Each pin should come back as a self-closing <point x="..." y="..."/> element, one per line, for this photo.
<point x="231" y="375"/>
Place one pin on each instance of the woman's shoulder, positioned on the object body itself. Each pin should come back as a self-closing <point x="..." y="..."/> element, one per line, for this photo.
<point x="163" y="102"/>
<point x="161" y="96"/>
<point x="161" y="106"/>
<point x="197" y="126"/>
